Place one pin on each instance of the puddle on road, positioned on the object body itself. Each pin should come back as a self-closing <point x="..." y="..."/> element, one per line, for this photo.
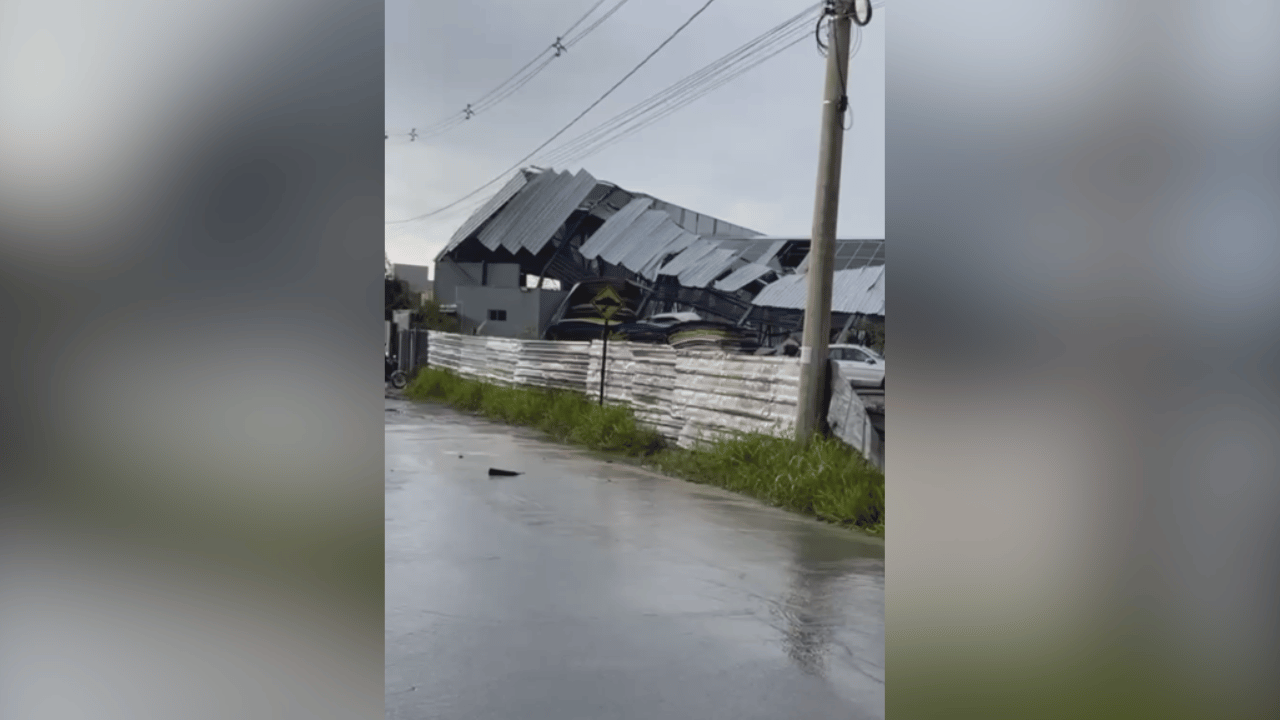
<point x="816" y="590"/>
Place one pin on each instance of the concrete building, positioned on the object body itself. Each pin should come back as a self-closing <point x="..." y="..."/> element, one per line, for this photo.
<point x="492" y="298"/>
<point x="417" y="277"/>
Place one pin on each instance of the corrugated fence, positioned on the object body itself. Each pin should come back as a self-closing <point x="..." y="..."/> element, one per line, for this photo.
<point x="849" y="421"/>
<point x="688" y="396"/>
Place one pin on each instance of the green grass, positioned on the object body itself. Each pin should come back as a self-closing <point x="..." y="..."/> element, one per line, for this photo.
<point x="565" y="416"/>
<point x="823" y="478"/>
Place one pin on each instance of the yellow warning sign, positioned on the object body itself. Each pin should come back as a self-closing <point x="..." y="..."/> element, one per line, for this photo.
<point x="607" y="302"/>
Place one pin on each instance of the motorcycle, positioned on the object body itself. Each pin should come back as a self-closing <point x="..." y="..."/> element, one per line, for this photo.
<point x="393" y="374"/>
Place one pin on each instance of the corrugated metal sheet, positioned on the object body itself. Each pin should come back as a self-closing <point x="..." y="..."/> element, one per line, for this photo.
<point x="752" y="250"/>
<point x="642" y="377"/>
<point x="644" y="226"/>
<point x="561" y="365"/>
<point x="771" y="252"/>
<point x="508" y="361"/>
<point x="700" y="224"/>
<point x="557" y="213"/>
<point x="654" y="244"/>
<point x="726" y="395"/>
<point x="853" y="291"/>
<point x="743" y="276"/>
<point x="521" y="206"/>
<point x="533" y="216"/>
<point x="859" y="291"/>
<point x="696" y="250"/>
<point x="852" y="254"/>
<point x="698" y="396"/>
<point x="683" y="241"/>
<point x="495" y="203"/>
<point x="708" y="258"/>
<point x="613" y="227"/>
<point x="847" y="416"/>
<point x="707" y="268"/>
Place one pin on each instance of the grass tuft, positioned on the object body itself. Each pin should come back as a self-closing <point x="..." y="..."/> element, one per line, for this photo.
<point x="824" y="477"/>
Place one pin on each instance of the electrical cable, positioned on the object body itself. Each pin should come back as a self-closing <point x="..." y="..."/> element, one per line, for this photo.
<point x="680" y="94"/>
<point x="662" y="104"/>
<point x="683" y="92"/>
<point x="690" y="89"/>
<point x="584" y="17"/>
<point x="517" y="80"/>
<point x="572" y="122"/>
<point x="649" y="121"/>
<point x="577" y="38"/>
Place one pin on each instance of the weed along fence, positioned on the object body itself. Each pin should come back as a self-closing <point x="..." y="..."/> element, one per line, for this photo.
<point x="687" y="395"/>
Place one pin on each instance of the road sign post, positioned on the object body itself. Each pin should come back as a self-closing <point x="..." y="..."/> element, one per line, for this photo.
<point x="606" y="302"/>
<point x="604" y="358"/>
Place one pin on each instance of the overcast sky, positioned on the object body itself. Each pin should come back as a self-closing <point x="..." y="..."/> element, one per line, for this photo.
<point x="746" y="153"/>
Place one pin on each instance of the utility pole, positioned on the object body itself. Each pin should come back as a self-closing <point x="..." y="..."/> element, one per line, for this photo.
<point x="822" y="246"/>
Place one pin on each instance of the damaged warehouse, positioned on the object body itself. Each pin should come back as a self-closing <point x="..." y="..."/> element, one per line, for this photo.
<point x="509" y="269"/>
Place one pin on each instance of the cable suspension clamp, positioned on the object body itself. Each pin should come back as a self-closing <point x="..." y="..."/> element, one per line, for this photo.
<point x="469" y="112"/>
<point x="413" y="134"/>
<point x="559" y="47"/>
<point x="861" y="12"/>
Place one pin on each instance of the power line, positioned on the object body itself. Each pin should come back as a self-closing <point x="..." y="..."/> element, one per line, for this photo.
<point x="572" y="122"/>
<point x="520" y="78"/>
<point x="584" y="17"/>
<point x="687" y="85"/>
<point x="613" y="131"/>
<point x="578" y="38"/>
<point x="684" y="92"/>
<point x="637" y="126"/>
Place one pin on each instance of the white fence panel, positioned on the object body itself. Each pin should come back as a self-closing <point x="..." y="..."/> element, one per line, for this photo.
<point x="721" y="396"/>
<point x="642" y="377"/>
<point x="689" y="395"/>
<point x="560" y="365"/>
<point x="444" y="350"/>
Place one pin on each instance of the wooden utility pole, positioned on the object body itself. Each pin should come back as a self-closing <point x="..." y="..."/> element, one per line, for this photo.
<point x="822" y="246"/>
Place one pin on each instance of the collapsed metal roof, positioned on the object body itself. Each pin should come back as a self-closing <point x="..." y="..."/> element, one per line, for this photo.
<point x="527" y="212"/>
<point x="686" y="256"/>
<point x="852" y="254"/>
<point x="534" y="215"/>
<point x="853" y="291"/>
<point x="709" y="267"/>
<point x="486" y="211"/>
<point x="614" y="227"/>
<point x="743" y="276"/>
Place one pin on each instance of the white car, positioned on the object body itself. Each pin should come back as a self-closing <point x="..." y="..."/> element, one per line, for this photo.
<point x="673" y="318"/>
<point x="861" y="365"/>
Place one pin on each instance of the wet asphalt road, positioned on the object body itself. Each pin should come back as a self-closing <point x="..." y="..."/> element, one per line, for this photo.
<point x="589" y="590"/>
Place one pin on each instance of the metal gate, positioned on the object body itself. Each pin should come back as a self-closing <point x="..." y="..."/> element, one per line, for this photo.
<point x="413" y="351"/>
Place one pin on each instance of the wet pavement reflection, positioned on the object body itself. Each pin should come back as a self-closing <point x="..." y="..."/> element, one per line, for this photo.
<point x="588" y="589"/>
